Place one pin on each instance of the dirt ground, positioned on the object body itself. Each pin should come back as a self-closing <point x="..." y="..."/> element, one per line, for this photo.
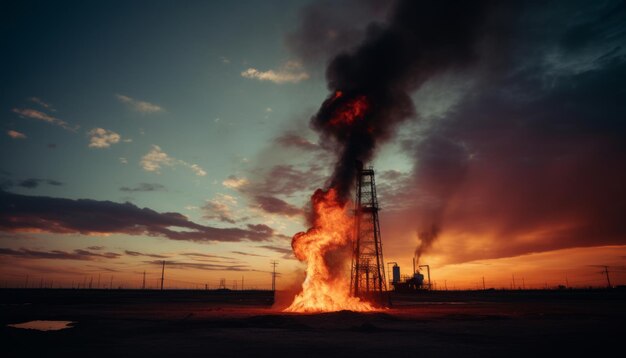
<point x="438" y="324"/>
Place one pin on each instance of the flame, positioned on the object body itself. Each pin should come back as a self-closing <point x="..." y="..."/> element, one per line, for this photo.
<point x="322" y="291"/>
<point x="354" y="109"/>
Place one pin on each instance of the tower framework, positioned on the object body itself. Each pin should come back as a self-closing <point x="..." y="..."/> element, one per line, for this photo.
<point x="368" y="272"/>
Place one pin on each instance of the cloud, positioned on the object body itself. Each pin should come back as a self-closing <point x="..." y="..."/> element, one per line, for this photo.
<point x="102" y="138"/>
<point x="123" y="160"/>
<point x="38" y="115"/>
<point x="287" y="253"/>
<point x="32" y="183"/>
<point x="291" y="72"/>
<point x="195" y="168"/>
<point x="234" y="182"/>
<point x="220" y="208"/>
<point x="530" y="157"/>
<point x="143" y="187"/>
<point x="293" y="140"/>
<point x="22" y="213"/>
<point x="58" y="254"/>
<point x="201" y="256"/>
<point x="247" y="254"/>
<point x="201" y="266"/>
<point x="139" y="106"/>
<point x="15" y="134"/>
<point x="96" y="248"/>
<point x="274" y="205"/>
<point x="40" y="102"/>
<point x="137" y="253"/>
<point x="156" y="158"/>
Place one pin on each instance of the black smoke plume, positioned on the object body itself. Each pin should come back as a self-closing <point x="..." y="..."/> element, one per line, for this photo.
<point x="420" y="40"/>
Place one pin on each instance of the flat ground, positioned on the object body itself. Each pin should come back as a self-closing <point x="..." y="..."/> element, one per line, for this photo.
<point x="229" y="324"/>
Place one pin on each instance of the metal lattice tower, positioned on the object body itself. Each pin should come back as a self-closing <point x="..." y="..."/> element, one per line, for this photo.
<point x="368" y="272"/>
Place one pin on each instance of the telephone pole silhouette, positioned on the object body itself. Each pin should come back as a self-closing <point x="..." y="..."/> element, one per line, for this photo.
<point x="143" y="284"/>
<point x="274" y="263"/>
<point x="608" y="280"/>
<point x="162" y="274"/>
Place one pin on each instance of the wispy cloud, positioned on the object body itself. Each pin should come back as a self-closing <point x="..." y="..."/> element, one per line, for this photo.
<point x="139" y="106"/>
<point x="291" y="72"/>
<point x="29" y="183"/>
<point x="220" y="208"/>
<point x="102" y="138"/>
<point x="137" y="253"/>
<point x="58" y="254"/>
<point x="15" y="134"/>
<point x="202" y="266"/>
<point x="156" y="158"/>
<point x="41" y="116"/>
<point x="32" y="183"/>
<point x="40" y="102"/>
<point x="144" y="187"/>
<point x="234" y="182"/>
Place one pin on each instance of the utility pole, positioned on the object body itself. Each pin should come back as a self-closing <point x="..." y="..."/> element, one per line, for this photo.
<point x="608" y="280"/>
<point x="242" y="282"/>
<point x="514" y="287"/>
<point x="111" y="283"/>
<point x="274" y="263"/>
<point x="26" y="284"/>
<point x="162" y="274"/>
<point x="90" y="282"/>
<point x="98" y="281"/>
<point x="566" y="281"/>
<point x="143" y="285"/>
<point x="484" y="288"/>
<point x="523" y="284"/>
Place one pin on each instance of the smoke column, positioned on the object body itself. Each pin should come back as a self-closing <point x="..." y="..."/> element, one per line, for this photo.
<point x="374" y="81"/>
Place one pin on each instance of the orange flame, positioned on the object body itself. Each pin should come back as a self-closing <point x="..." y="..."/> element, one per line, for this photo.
<point x="322" y="291"/>
<point x="350" y="111"/>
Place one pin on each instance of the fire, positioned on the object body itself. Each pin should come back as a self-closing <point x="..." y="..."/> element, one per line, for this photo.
<point x="354" y="109"/>
<point x="322" y="291"/>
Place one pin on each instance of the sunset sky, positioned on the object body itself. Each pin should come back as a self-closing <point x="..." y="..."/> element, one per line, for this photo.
<point x="137" y="132"/>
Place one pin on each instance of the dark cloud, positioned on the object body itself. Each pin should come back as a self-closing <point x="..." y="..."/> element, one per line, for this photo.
<point x="246" y="253"/>
<point x="196" y="255"/>
<point x="293" y="140"/>
<point x="531" y="157"/>
<point x="201" y="266"/>
<point x="419" y="40"/>
<point x="274" y="205"/>
<point x="220" y="209"/>
<point x="284" y="180"/>
<point x="287" y="253"/>
<point x="137" y="253"/>
<point x="58" y="254"/>
<point x="142" y="187"/>
<point x="96" y="248"/>
<point x="85" y="216"/>
<point x="324" y="30"/>
<point x="32" y="183"/>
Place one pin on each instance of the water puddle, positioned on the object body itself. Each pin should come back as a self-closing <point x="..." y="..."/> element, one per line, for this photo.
<point x="43" y="325"/>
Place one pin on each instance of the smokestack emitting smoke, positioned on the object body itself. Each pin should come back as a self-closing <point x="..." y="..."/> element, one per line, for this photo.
<point x="373" y="83"/>
<point x="370" y="94"/>
<point x="425" y="241"/>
